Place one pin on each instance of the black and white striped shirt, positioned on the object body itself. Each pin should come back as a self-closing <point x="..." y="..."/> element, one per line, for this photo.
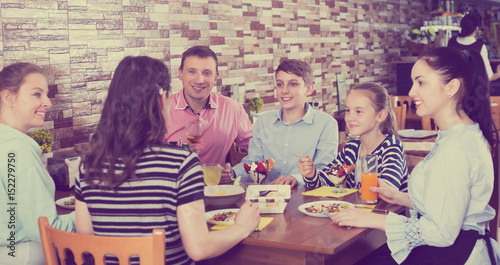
<point x="391" y="164"/>
<point x="166" y="178"/>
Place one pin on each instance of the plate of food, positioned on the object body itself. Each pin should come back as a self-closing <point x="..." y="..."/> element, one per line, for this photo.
<point x="221" y="217"/>
<point x="67" y="202"/>
<point x="324" y="208"/>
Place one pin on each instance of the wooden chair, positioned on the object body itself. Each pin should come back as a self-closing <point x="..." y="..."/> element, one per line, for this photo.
<point x="236" y="154"/>
<point x="150" y="249"/>
<point x="495" y="110"/>
<point x="429" y="124"/>
<point x="400" y="112"/>
<point x="495" y="197"/>
<point x="495" y="100"/>
<point x="412" y="161"/>
<point x="402" y="100"/>
<point x="411" y="110"/>
<point x="495" y="113"/>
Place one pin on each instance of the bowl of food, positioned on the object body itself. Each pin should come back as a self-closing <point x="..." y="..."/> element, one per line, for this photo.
<point x="223" y="195"/>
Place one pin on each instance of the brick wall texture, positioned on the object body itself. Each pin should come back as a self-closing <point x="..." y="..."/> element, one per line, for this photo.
<point x="80" y="42"/>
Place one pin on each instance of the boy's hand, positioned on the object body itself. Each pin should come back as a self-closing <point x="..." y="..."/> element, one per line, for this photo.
<point x="306" y="167"/>
<point x="227" y="175"/>
<point x="285" y="180"/>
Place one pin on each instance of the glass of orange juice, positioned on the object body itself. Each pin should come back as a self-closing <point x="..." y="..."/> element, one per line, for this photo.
<point x="212" y="173"/>
<point x="369" y="178"/>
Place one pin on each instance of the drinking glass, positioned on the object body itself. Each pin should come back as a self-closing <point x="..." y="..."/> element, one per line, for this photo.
<point x="369" y="178"/>
<point x="193" y="131"/>
<point x="212" y="173"/>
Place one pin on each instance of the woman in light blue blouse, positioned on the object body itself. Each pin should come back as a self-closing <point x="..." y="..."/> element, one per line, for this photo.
<point x="27" y="190"/>
<point x="449" y="191"/>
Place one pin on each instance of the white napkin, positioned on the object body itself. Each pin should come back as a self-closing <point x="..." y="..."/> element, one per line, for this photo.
<point x="72" y="164"/>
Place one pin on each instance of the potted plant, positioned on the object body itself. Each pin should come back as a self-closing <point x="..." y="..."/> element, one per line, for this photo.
<point x="419" y="40"/>
<point x="45" y="140"/>
<point x="255" y="105"/>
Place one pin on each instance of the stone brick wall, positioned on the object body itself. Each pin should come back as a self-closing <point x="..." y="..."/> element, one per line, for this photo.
<point x="80" y="42"/>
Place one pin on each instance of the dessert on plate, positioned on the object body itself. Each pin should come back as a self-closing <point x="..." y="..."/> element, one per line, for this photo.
<point x="259" y="170"/>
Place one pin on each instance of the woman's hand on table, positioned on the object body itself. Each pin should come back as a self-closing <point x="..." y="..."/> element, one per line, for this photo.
<point x="306" y="167"/>
<point x="248" y="217"/>
<point x="285" y="180"/>
<point x="391" y="195"/>
<point x="359" y="218"/>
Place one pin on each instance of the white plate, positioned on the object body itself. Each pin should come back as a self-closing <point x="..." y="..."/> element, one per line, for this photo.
<point x="303" y="207"/>
<point x="209" y="215"/>
<point x="61" y="204"/>
<point x="417" y="134"/>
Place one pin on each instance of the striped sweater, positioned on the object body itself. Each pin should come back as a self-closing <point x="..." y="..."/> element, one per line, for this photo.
<point x="166" y="178"/>
<point x="391" y="164"/>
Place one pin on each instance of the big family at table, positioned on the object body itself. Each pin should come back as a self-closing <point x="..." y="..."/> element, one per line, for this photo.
<point x="133" y="179"/>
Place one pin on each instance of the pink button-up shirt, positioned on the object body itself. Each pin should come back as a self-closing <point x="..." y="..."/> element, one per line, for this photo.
<point x="224" y="121"/>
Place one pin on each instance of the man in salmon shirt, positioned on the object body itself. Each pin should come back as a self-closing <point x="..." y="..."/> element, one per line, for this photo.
<point x="223" y="119"/>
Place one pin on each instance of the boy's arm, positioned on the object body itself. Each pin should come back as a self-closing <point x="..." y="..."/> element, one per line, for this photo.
<point x="255" y="152"/>
<point x="327" y="146"/>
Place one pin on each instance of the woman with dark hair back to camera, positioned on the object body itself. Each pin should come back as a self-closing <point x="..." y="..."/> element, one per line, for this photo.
<point x="133" y="182"/>
<point x="466" y="40"/>
<point x="449" y="191"/>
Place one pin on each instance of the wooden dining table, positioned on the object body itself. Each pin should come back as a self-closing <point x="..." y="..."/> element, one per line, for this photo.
<point x="295" y="238"/>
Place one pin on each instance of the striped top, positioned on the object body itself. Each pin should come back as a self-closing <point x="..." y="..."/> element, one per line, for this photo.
<point x="391" y="165"/>
<point x="168" y="176"/>
<point x="450" y="190"/>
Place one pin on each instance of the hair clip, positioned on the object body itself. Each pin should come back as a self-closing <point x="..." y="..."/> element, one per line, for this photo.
<point x="160" y="89"/>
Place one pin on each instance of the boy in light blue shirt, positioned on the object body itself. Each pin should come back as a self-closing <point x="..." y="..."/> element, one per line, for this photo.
<point x="292" y="131"/>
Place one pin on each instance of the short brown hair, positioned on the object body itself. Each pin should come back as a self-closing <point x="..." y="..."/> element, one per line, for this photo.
<point x="200" y="52"/>
<point x="296" y="67"/>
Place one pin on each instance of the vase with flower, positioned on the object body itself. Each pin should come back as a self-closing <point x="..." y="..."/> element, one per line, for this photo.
<point x="255" y="105"/>
<point x="45" y="140"/>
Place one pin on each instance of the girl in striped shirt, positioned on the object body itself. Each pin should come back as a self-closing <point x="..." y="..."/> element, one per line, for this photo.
<point x="368" y="115"/>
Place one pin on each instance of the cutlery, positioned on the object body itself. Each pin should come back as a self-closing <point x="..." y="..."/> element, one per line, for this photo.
<point x="375" y="210"/>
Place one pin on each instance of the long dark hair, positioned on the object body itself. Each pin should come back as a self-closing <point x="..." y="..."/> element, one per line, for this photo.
<point x="380" y="100"/>
<point x="474" y="91"/>
<point x="131" y="120"/>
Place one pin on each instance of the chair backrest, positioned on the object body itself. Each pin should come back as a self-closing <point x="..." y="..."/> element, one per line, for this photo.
<point x="495" y="197"/>
<point x="495" y="110"/>
<point x="400" y="112"/>
<point x="401" y="100"/>
<point x="412" y="161"/>
<point x="495" y="100"/>
<point x="150" y="249"/>
<point x="236" y="154"/>
<point x="429" y="124"/>
<point x="495" y="113"/>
